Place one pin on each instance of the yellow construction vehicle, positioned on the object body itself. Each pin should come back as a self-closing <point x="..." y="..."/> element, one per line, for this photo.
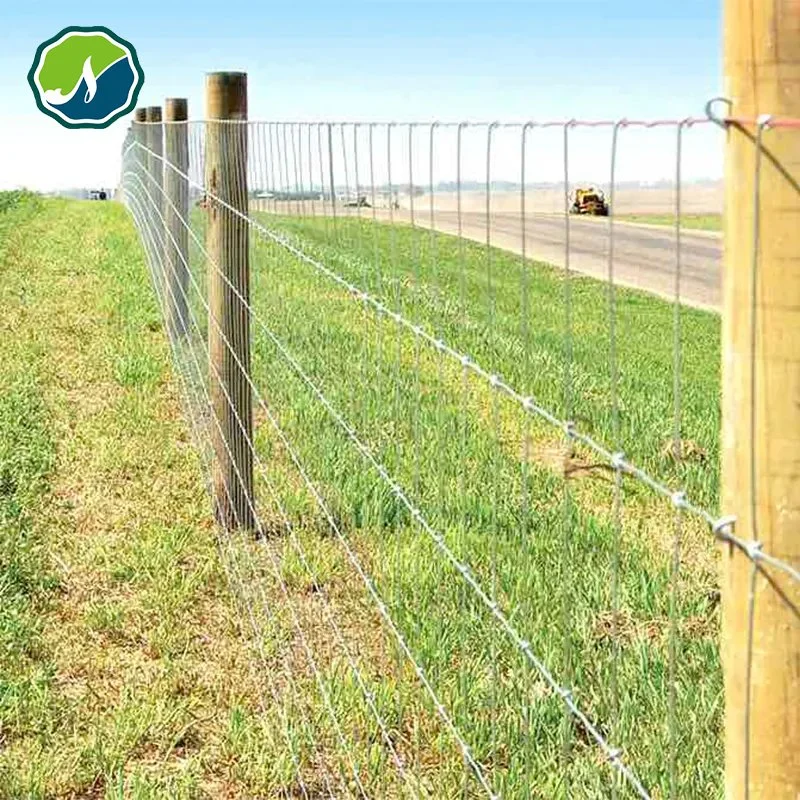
<point x="589" y="200"/>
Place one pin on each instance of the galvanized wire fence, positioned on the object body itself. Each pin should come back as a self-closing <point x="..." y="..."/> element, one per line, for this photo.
<point x="470" y="516"/>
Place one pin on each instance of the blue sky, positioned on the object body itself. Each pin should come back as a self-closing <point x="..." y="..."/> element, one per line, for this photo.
<point x="374" y="60"/>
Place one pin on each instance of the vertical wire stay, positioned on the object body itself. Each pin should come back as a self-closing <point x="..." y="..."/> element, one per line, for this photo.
<point x="331" y="181"/>
<point x="398" y="599"/>
<point x="495" y="421"/>
<point x="377" y="368"/>
<point x="415" y="310"/>
<point x="364" y="277"/>
<point x="463" y="522"/>
<point x="438" y="324"/>
<point x="290" y="189"/>
<point x="677" y="394"/>
<point x="325" y="193"/>
<point x="415" y="316"/>
<point x="617" y="445"/>
<point x="566" y="521"/>
<point x="297" y="144"/>
<point x="347" y="238"/>
<point x="418" y="590"/>
<point x="346" y="233"/>
<point x="277" y="160"/>
<point x="527" y="432"/>
<point x="272" y="167"/>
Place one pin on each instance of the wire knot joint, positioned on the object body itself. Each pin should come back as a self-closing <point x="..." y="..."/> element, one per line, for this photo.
<point x="679" y="500"/>
<point x="723" y="527"/>
<point x="753" y="550"/>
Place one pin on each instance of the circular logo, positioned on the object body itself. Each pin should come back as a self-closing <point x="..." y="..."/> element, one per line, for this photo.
<point x="86" y="77"/>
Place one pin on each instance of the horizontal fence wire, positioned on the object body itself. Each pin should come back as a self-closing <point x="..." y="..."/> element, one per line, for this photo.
<point x="768" y="121"/>
<point x="486" y="435"/>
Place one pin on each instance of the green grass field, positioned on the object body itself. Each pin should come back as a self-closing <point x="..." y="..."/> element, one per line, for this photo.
<point x="492" y="482"/>
<point x="699" y="222"/>
<point x="125" y="591"/>
<point x="122" y="668"/>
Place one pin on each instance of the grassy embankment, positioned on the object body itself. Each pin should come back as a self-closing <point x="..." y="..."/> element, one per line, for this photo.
<point x="491" y="480"/>
<point x="122" y="668"/>
<point x="130" y="679"/>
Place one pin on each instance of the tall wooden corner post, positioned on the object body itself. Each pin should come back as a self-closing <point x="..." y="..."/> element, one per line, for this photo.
<point x="176" y="214"/>
<point x="227" y="244"/>
<point x="761" y="479"/>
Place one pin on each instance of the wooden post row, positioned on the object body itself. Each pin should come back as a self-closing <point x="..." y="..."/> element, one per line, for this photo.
<point x="155" y="143"/>
<point x="176" y="215"/>
<point x="153" y="183"/>
<point x="761" y="479"/>
<point x="139" y="129"/>
<point x="140" y="136"/>
<point x="227" y="244"/>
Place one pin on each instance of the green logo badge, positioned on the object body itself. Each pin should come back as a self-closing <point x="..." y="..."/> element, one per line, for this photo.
<point x="86" y="77"/>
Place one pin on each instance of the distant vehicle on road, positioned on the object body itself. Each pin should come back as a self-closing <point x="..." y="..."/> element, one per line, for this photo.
<point x="589" y="200"/>
<point x="359" y="202"/>
<point x="98" y="194"/>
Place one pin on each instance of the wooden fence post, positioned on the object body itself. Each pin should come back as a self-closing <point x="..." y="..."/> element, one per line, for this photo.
<point x="155" y="142"/>
<point x="176" y="213"/>
<point x="762" y="71"/>
<point x="227" y="244"/>
<point x="139" y="116"/>
<point x="153" y="182"/>
<point x="140" y="135"/>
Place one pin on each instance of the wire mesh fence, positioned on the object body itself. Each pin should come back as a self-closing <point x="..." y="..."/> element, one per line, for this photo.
<point x="470" y="515"/>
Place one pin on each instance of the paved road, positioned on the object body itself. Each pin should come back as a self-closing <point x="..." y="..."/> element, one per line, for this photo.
<point x="644" y="257"/>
